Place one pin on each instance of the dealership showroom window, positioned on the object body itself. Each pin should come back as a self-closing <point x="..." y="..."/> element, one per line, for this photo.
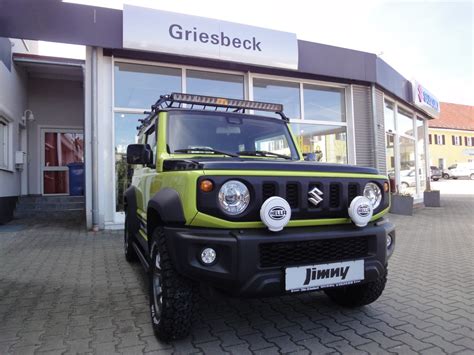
<point x="317" y="112"/>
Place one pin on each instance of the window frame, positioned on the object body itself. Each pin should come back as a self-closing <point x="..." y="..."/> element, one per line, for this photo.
<point x="7" y="143"/>
<point x="348" y="107"/>
<point x="418" y="195"/>
<point x="248" y="95"/>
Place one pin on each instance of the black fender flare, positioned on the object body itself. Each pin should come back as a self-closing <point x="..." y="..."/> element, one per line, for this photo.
<point x="131" y="211"/>
<point x="167" y="204"/>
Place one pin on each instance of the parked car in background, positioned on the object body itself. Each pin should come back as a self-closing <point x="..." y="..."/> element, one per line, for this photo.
<point x="462" y="170"/>
<point x="447" y="172"/>
<point x="435" y="173"/>
<point x="407" y="179"/>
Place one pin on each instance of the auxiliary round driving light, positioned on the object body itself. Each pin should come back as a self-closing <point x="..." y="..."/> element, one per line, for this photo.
<point x="275" y="213"/>
<point x="361" y="211"/>
<point x="208" y="256"/>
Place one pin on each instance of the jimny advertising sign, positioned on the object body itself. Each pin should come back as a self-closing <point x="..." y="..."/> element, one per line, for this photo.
<point x="167" y="32"/>
<point x="425" y="100"/>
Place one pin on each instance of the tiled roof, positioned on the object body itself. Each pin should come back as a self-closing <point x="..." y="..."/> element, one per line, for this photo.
<point x="454" y="116"/>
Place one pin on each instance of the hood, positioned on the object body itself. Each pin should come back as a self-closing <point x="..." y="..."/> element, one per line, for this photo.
<point x="204" y="163"/>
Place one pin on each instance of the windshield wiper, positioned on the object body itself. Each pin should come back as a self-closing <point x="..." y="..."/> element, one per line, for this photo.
<point x="204" y="150"/>
<point x="263" y="153"/>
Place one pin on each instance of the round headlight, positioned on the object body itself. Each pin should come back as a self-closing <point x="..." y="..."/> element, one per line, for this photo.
<point x="234" y="197"/>
<point x="373" y="193"/>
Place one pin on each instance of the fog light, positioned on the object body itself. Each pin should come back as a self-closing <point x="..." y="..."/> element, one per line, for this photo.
<point x="389" y="241"/>
<point x="208" y="256"/>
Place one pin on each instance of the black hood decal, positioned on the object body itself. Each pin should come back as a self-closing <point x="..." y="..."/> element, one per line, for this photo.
<point x="202" y="163"/>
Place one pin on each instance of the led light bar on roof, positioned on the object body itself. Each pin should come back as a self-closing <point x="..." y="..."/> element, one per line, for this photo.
<point x="224" y="102"/>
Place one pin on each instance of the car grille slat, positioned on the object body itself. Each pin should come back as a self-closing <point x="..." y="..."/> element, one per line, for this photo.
<point x="353" y="192"/>
<point x="292" y="194"/>
<point x="268" y="190"/>
<point x="283" y="254"/>
<point x="334" y="195"/>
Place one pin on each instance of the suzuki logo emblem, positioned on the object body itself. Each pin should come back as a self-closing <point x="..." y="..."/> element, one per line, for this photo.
<point x="315" y="196"/>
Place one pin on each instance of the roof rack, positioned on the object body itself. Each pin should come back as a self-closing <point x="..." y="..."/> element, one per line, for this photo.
<point x="176" y="100"/>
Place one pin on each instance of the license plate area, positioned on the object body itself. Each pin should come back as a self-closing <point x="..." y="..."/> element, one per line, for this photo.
<point x="314" y="277"/>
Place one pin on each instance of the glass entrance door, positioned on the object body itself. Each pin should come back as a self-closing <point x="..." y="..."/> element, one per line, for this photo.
<point x="60" y="147"/>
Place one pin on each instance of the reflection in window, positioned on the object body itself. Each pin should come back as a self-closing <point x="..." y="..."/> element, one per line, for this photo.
<point x="407" y="166"/>
<point x="61" y="149"/>
<point x="389" y="118"/>
<point x="323" y="104"/>
<point x="328" y="143"/>
<point x="139" y="86"/>
<point x="390" y="156"/>
<point x="125" y="134"/>
<point x="404" y="123"/>
<point x="215" y="84"/>
<point x="55" y="182"/>
<point x="4" y="144"/>
<point x="421" y="153"/>
<point x="280" y="92"/>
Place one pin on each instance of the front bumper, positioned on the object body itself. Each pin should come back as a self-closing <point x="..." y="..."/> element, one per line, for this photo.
<point x="238" y="268"/>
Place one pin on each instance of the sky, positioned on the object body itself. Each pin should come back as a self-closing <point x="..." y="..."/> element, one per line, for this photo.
<point x="428" y="41"/>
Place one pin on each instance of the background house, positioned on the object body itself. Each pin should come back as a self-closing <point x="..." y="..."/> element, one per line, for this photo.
<point x="451" y="136"/>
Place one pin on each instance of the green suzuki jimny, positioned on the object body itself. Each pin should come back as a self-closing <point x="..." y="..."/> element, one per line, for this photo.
<point x="223" y="200"/>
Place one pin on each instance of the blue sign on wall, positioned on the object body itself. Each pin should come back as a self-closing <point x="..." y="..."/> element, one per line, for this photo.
<point x="425" y="100"/>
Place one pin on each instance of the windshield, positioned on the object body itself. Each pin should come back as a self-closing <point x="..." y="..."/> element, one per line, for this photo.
<point x="231" y="134"/>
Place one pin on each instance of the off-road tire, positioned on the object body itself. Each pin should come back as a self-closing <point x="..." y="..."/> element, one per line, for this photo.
<point x="178" y="294"/>
<point x="358" y="295"/>
<point x="130" y="253"/>
<point x="446" y="176"/>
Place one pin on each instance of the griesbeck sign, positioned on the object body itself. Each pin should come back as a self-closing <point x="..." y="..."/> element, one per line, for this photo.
<point x="167" y="32"/>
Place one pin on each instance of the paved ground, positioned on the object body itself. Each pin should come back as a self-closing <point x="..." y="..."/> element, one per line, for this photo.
<point x="65" y="290"/>
<point x="454" y="187"/>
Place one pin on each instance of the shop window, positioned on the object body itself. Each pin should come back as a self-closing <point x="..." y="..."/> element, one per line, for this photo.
<point x="215" y="84"/>
<point x="404" y="123"/>
<point x="390" y="157"/>
<point x="407" y="183"/>
<point x="4" y="143"/>
<point x="281" y="92"/>
<point x="322" y="141"/>
<point x="389" y="119"/>
<point x="323" y="103"/>
<point x="125" y="134"/>
<point x="420" y="129"/>
<point x="139" y="86"/>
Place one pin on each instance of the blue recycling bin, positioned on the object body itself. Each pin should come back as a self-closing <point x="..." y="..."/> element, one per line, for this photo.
<point x="76" y="179"/>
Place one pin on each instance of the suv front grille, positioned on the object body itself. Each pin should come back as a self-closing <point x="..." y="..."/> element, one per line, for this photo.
<point x="312" y="251"/>
<point x="330" y="196"/>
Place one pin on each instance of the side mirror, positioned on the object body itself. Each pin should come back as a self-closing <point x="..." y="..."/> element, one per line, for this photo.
<point x="139" y="154"/>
